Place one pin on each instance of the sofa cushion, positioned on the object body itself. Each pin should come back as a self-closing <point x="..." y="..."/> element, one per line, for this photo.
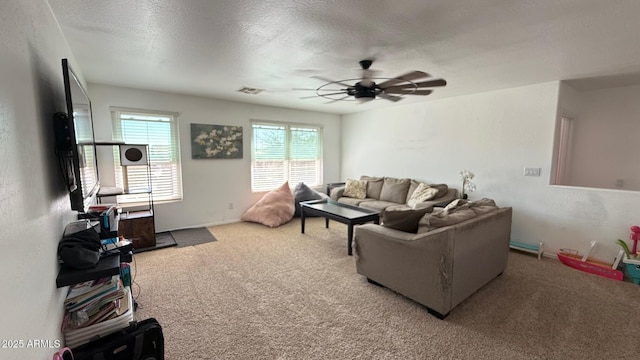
<point x="395" y="190"/>
<point x="403" y="220"/>
<point x="353" y="201"/>
<point x="355" y="189"/>
<point x="374" y="186"/>
<point x="274" y="209"/>
<point x="425" y="205"/>
<point x="421" y="194"/>
<point x="376" y="205"/>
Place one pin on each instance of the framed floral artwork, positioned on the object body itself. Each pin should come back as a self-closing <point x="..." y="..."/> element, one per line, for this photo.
<point x="216" y="141"/>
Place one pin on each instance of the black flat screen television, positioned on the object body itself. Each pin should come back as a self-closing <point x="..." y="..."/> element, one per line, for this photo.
<point x="75" y="143"/>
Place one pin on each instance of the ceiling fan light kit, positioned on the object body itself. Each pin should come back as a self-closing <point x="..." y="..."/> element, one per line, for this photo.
<point x="366" y="89"/>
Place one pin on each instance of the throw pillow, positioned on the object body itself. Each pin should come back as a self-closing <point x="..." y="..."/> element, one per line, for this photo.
<point x="412" y="187"/>
<point x="302" y="192"/>
<point x="442" y="189"/>
<point x="374" y="186"/>
<point x="422" y="193"/>
<point x="457" y="211"/>
<point x="404" y="220"/>
<point x="355" y="189"/>
<point x="273" y="209"/>
<point x="455" y="205"/>
<point x="395" y="190"/>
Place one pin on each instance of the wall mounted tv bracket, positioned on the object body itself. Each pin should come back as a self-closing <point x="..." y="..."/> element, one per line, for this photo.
<point x="62" y="130"/>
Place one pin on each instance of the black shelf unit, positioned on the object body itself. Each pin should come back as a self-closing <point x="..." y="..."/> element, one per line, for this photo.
<point x="107" y="266"/>
<point x="137" y="225"/>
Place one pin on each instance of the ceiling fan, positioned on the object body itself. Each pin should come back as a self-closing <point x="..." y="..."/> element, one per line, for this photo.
<point x="366" y="88"/>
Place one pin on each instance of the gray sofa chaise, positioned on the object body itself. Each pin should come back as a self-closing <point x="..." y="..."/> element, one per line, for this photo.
<point x="387" y="193"/>
<point x="456" y="251"/>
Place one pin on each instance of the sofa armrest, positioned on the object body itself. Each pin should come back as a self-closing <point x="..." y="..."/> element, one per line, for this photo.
<point x="336" y="192"/>
<point x="418" y="266"/>
<point x="481" y="251"/>
<point x="330" y="186"/>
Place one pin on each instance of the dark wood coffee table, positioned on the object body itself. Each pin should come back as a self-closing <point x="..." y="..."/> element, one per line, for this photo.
<point x="346" y="214"/>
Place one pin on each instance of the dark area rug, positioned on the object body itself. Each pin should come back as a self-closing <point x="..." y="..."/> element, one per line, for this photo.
<point x="163" y="240"/>
<point x="190" y="237"/>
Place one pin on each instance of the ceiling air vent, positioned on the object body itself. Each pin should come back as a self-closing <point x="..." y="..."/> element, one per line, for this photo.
<point x="249" y="90"/>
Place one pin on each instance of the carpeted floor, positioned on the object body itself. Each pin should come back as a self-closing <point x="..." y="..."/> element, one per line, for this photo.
<point x="261" y="293"/>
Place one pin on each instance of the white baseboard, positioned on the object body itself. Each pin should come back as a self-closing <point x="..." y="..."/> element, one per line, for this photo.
<point x="223" y="222"/>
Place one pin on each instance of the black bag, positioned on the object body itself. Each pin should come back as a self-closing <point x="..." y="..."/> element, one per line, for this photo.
<point x="80" y="250"/>
<point x="141" y="341"/>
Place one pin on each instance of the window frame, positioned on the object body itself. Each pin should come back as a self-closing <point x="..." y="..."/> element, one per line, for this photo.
<point x="287" y="153"/>
<point x="174" y="165"/>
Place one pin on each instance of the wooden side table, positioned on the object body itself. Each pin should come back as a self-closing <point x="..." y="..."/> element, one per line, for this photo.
<point x="138" y="227"/>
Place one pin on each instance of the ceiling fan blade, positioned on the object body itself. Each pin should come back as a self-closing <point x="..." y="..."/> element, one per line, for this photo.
<point x="430" y="83"/>
<point x="404" y="78"/>
<point x="323" y="89"/>
<point x="334" y="100"/>
<point x="331" y="81"/>
<point x="390" y="97"/>
<point x="334" y="93"/>
<point x="407" y="91"/>
<point x="324" y="95"/>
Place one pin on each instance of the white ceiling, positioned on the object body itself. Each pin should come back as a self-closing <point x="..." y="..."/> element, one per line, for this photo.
<point x="214" y="47"/>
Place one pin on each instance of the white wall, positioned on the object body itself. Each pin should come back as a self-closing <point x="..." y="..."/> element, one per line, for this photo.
<point x="606" y="134"/>
<point x="495" y="135"/>
<point x="210" y="185"/>
<point x="34" y="202"/>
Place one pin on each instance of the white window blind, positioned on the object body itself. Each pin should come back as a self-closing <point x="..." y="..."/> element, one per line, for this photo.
<point x="281" y="152"/>
<point x="160" y="132"/>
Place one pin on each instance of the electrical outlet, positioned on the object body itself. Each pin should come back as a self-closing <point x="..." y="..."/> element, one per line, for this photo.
<point x="230" y="206"/>
<point x="531" y="171"/>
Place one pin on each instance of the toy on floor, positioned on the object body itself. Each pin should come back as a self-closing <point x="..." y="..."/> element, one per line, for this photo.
<point x="635" y="236"/>
<point x="631" y="258"/>
<point x="584" y="263"/>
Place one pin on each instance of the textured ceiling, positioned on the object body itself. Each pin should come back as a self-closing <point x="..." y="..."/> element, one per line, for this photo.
<point x="214" y="47"/>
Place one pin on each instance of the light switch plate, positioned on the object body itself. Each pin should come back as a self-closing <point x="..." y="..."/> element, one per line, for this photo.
<point x="528" y="171"/>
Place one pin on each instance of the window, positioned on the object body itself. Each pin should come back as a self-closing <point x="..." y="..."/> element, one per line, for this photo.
<point x="281" y="152"/>
<point x="160" y="131"/>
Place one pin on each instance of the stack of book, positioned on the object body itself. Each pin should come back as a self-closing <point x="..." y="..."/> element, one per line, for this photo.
<point x="96" y="307"/>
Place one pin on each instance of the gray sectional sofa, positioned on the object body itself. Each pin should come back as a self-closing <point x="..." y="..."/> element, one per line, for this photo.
<point x="456" y="250"/>
<point x="387" y="193"/>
